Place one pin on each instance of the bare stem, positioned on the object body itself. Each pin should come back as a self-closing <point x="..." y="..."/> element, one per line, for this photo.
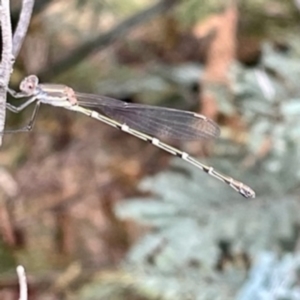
<point x="22" y="283"/>
<point x="10" y="48"/>
<point x="7" y="59"/>
<point x="25" y="16"/>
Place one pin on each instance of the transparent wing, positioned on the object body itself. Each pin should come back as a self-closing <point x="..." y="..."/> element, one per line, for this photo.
<point x="153" y="120"/>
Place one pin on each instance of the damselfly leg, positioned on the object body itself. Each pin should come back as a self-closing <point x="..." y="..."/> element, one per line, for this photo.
<point x="17" y="109"/>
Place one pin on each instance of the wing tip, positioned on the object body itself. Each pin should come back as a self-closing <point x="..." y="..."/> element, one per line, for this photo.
<point x="216" y="131"/>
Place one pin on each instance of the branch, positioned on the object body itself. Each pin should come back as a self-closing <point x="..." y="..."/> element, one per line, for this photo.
<point x="297" y="4"/>
<point x="22" y="26"/>
<point x="22" y="283"/>
<point x="106" y="39"/>
<point x="7" y="59"/>
<point x="38" y="7"/>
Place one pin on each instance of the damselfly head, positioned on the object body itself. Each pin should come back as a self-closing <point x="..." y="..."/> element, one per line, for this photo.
<point x="29" y="84"/>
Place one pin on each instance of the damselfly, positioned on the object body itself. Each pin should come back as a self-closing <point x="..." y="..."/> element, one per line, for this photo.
<point x="142" y="121"/>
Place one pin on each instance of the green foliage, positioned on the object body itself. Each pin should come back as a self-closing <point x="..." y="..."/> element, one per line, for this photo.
<point x="191" y="214"/>
<point x="112" y="6"/>
<point x="269" y="99"/>
<point x="191" y="11"/>
<point x="7" y="259"/>
<point x="273" y="277"/>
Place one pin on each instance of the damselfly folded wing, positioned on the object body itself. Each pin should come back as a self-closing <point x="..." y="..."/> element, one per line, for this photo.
<point x="142" y="121"/>
<point x="153" y="120"/>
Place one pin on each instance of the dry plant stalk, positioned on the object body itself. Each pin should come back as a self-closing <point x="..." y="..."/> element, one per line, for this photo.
<point x="22" y="283"/>
<point x="10" y="48"/>
<point x="221" y="54"/>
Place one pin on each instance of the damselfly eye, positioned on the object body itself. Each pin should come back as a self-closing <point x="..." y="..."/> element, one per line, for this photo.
<point x="29" y="84"/>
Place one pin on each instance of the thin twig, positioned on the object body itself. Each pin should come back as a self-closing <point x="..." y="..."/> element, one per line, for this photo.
<point x="7" y="59"/>
<point x="297" y="4"/>
<point x="10" y="49"/>
<point x="22" y="26"/>
<point x="22" y="283"/>
<point x="106" y="39"/>
<point x="39" y="6"/>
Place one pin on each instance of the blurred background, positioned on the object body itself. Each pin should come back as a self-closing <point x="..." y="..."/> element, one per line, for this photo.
<point x="93" y="213"/>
